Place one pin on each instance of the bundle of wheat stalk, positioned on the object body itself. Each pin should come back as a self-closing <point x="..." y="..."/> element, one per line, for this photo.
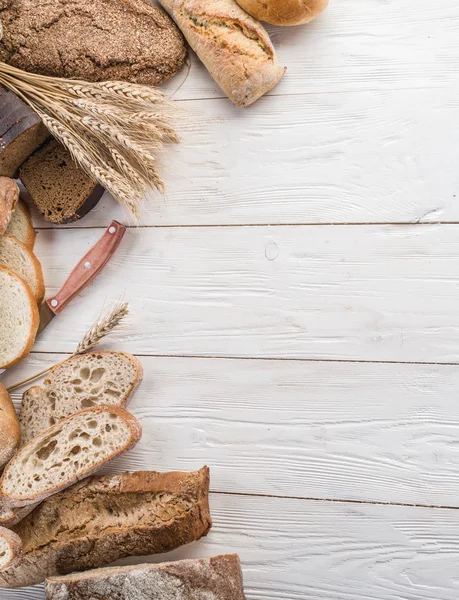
<point x="113" y="129"/>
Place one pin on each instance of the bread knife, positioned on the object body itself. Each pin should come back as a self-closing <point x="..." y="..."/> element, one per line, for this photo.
<point x="86" y="270"/>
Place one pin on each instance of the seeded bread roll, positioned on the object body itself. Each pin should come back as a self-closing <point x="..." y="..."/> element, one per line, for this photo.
<point x="234" y="47"/>
<point x="62" y="192"/>
<point x="284" y="12"/>
<point x="9" y="197"/>
<point x="103" y="519"/>
<point x="218" y="578"/>
<point x="10" y="433"/>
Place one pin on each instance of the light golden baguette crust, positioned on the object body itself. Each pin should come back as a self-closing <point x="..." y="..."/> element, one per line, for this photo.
<point x="235" y="48"/>
<point x="284" y="12"/>
<point x="10" y="432"/>
<point x="217" y="578"/>
<point x="29" y="234"/>
<point x="10" y="549"/>
<point x="103" y="519"/>
<point x="15" y="498"/>
<point x="9" y="197"/>
<point x="36" y="282"/>
<point x="34" y="321"/>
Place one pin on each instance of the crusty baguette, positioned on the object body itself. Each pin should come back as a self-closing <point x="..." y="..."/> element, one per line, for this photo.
<point x="91" y="379"/>
<point x="10" y="549"/>
<point x="218" y="578"/>
<point x="10" y="433"/>
<point x="9" y="197"/>
<point x="20" y="225"/>
<point x="15" y="255"/>
<point x="71" y="450"/>
<point x="103" y="519"/>
<point x="284" y="12"/>
<point x="235" y="48"/>
<point x="18" y="318"/>
<point x="9" y="517"/>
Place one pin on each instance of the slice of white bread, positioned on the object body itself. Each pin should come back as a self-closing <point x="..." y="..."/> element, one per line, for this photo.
<point x="16" y="256"/>
<point x="69" y="451"/>
<point x="217" y="578"/>
<point x="10" y="432"/>
<point x="18" y="318"/>
<point x="20" y="225"/>
<point x="92" y="379"/>
<point x="9" y="197"/>
<point x="10" y="548"/>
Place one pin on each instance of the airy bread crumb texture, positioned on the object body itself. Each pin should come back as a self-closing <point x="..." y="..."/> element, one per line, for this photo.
<point x="15" y="255"/>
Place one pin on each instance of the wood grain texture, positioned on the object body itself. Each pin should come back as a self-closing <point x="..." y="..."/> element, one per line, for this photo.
<point x="330" y="158"/>
<point x="378" y="293"/>
<point x="301" y="550"/>
<point x="366" y="432"/>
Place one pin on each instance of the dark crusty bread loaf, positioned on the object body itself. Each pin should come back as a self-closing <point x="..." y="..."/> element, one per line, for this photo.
<point x="61" y="191"/>
<point x="21" y="132"/>
<point x="218" y="578"/>
<point x="103" y="519"/>
<point x="95" y="40"/>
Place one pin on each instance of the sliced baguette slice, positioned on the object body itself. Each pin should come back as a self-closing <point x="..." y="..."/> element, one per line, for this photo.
<point x="103" y="519"/>
<point x="20" y="225"/>
<point x="218" y="578"/>
<point x="10" y="549"/>
<point x="92" y="379"/>
<point x="9" y="517"/>
<point x="18" y="318"/>
<point x="67" y="452"/>
<point x="16" y="256"/>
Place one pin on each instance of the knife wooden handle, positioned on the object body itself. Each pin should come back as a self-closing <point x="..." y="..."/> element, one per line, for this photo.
<point x="88" y="267"/>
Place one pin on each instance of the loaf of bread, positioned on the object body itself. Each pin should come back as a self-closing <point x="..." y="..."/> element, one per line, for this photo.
<point x="21" y="131"/>
<point x="9" y="517"/>
<point x="91" y="379"/>
<point x="218" y="578"/>
<point x="16" y="256"/>
<point x="284" y="12"/>
<point x="10" y="549"/>
<point x="61" y="191"/>
<point x="9" y="197"/>
<point x="10" y="433"/>
<point x="234" y="47"/>
<point x="94" y="40"/>
<point x="19" y="318"/>
<point x="103" y="519"/>
<point x="71" y="450"/>
<point x="20" y="225"/>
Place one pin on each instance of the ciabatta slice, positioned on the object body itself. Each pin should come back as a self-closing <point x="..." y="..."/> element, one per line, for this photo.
<point x="16" y="256"/>
<point x="10" y="548"/>
<point x="67" y="452"/>
<point x="92" y="379"/>
<point x="20" y="225"/>
<point x="18" y="318"/>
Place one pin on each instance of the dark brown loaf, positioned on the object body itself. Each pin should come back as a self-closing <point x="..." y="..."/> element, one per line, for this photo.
<point x="104" y="519"/>
<point x="62" y="192"/>
<point x="95" y="40"/>
<point x="218" y="578"/>
<point x="21" y="132"/>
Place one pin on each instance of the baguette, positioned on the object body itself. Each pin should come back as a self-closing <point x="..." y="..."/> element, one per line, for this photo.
<point x="10" y="549"/>
<point x="103" y="519"/>
<point x="284" y="12"/>
<point x="235" y="48"/>
<point x="10" y="433"/>
<point x="9" y="517"/>
<point x="218" y="578"/>
<point x="71" y="450"/>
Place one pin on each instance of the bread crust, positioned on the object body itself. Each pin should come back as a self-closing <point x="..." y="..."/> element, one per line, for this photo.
<point x="284" y="12"/>
<point x="34" y="321"/>
<point x="15" y="544"/>
<point x="9" y="197"/>
<point x="17" y="501"/>
<point x="103" y="519"/>
<point x="10" y="432"/>
<point x="9" y="517"/>
<point x="39" y="279"/>
<point x="235" y="48"/>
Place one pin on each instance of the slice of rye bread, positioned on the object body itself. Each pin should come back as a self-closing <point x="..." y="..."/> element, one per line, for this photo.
<point x="217" y="578"/>
<point x="92" y="379"/>
<point x="21" y="132"/>
<point x="16" y="256"/>
<point x="62" y="192"/>
<point x="9" y="197"/>
<point x="69" y="451"/>
<point x="10" y="549"/>
<point x="19" y="318"/>
<point x="103" y="519"/>
<point x="20" y="225"/>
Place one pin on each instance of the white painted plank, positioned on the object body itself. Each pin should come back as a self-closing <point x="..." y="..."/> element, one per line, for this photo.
<point x="355" y="431"/>
<point x="300" y="550"/>
<point x="329" y="158"/>
<point x="359" y="45"/>
<point x="365" y="293"/>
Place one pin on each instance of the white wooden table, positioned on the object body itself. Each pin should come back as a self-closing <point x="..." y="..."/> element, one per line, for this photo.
<point x="295" y="304"/>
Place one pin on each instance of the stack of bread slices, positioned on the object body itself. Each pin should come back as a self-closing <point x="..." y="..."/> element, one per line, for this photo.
<point x="22" y="287"/>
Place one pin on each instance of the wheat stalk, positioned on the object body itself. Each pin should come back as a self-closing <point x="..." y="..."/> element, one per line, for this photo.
<point x="113" y="130"/>
<point x="104" y="325"/>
